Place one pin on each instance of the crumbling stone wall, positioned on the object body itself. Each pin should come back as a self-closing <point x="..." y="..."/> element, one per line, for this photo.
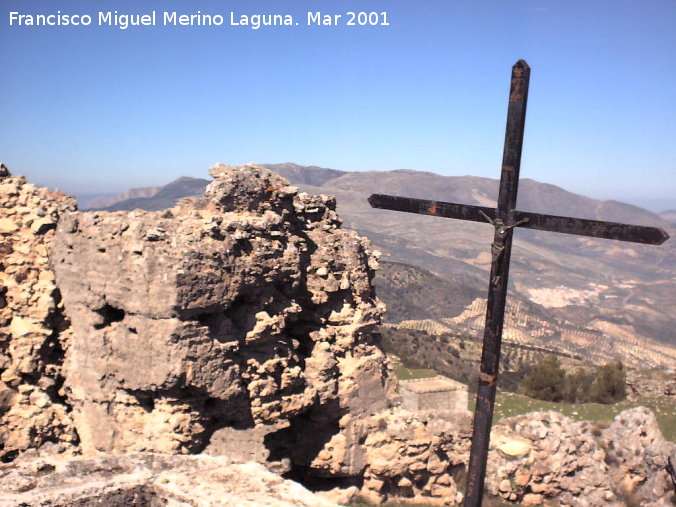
<point x="241" y="324"/>
<point x="415" y="456"/>
<point x="638" y="453"/>
<point x="546" y="458"/>
<point x="249" y="308"/>
<point x="33" y="330"/>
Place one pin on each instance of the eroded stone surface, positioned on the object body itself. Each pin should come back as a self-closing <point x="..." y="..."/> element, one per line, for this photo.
<point x="638" y="452"/>
<point x="561" y="459"/>
<point x="145" y="479"/>
<point x="241" y="324"/>
<point x="33" y="330"/>
<point x="553" y="460"/>
<point x="249" y="307"/>
<point x="416" y="456"/>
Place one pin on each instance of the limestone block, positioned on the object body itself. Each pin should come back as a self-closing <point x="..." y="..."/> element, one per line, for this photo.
<point x="219" y="312"/>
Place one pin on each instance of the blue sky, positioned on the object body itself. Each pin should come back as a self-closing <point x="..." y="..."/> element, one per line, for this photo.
<point x="99" y="109"/>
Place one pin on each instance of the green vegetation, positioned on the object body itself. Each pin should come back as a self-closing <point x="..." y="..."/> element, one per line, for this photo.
<point x="549" y="382"/>
<point x="405" y="370"/>
<point x="456" y="355"/>
<point x="419" y="350"/>
<point x="546" y="381"/>
<point x="403" y="373"/>
<point x="609" y="386"/>
<point x="510" y="404"/>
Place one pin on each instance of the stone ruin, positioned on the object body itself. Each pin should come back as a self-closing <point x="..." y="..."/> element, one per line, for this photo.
<point x="438" y="393"/>
<point x="242" y="323"/>
<point x="545" y="458"/>
<point x="149" y="353"/>
<point x="247" y="309"/>
<point x="34" y="331"/>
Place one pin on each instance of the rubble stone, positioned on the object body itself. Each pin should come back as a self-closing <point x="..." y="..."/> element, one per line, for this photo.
<point x="413" y="456"/>
<point x="651" y="384"/>
<point x="556" y="458"/>
<point x="142" y="479"/>
<point x="635" y="446"/>
<point x="34" y="333"/>
<point x="579" y="464"/>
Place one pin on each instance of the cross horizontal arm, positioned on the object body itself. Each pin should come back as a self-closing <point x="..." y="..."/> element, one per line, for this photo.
<point x="593" y="228"/>
<point x="433" y="208"/>
<point x="536" y="221"/>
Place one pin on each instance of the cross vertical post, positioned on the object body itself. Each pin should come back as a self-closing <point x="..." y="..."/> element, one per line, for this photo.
<point x="504" y="219"/>
<point x="501" y="250"/>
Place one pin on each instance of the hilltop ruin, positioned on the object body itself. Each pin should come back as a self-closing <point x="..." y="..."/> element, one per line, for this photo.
<point x="239" y="327"/>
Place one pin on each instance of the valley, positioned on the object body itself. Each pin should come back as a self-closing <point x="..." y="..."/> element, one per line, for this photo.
<point x="598" y="299"/>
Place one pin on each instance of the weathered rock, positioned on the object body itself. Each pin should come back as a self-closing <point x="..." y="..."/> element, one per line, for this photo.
<point x="241" y="324"/>
<point x="143" y="479"/>
<point x="249" y="308"/>
<point x="409" y="456"/>
<point x="638" y="453"/>
<point x="547" y="458"/>
<point x="560" y="461"/>
<point x="33" y="330"/>
<point x="651" y="384"/>
<point x="513" y="448"/>
<point x="340" y="496"/>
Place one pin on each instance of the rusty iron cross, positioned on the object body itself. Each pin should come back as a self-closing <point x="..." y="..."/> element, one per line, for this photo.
<point x="504" y="219"/>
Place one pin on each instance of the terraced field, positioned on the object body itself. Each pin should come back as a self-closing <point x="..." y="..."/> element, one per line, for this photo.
<point x="600" y="342"/>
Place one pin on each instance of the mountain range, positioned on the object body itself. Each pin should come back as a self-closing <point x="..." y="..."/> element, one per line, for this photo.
<point x="620" y="296"/>
<point x="669" y="215"/>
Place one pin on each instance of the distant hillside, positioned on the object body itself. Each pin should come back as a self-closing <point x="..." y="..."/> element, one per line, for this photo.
<point x="419" y="300"/>
<point x="618" y="295"/>
<point x="412" y="293"/>
<point x="161" y="197"/>
<point x="134" y="193"/>
<point x="618" y="289"/>
<point x="308" y="175"/>
<point x="86" y="201"/>
<point x="669" y="215"/>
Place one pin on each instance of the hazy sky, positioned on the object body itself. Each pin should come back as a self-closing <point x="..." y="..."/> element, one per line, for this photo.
<point x="100" y="109"/>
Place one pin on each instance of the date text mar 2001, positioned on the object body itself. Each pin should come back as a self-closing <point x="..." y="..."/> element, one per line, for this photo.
<point x="317" y="18"/>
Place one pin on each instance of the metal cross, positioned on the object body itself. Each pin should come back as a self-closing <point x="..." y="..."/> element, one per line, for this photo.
<point x="505" y="218"/>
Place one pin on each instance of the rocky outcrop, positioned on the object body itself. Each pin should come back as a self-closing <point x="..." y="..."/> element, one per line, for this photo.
<point x="545" y="458"/>
<point x="144" y="479"/>
<point x="542" y="456"/>
<point x="638" y="453"/>
<point x="650" y="384"/>
<point x="241" y="325"/>
<point x="418" y="457"/>
<point x="246" y="310"/>
<point x="33" y="330"/>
